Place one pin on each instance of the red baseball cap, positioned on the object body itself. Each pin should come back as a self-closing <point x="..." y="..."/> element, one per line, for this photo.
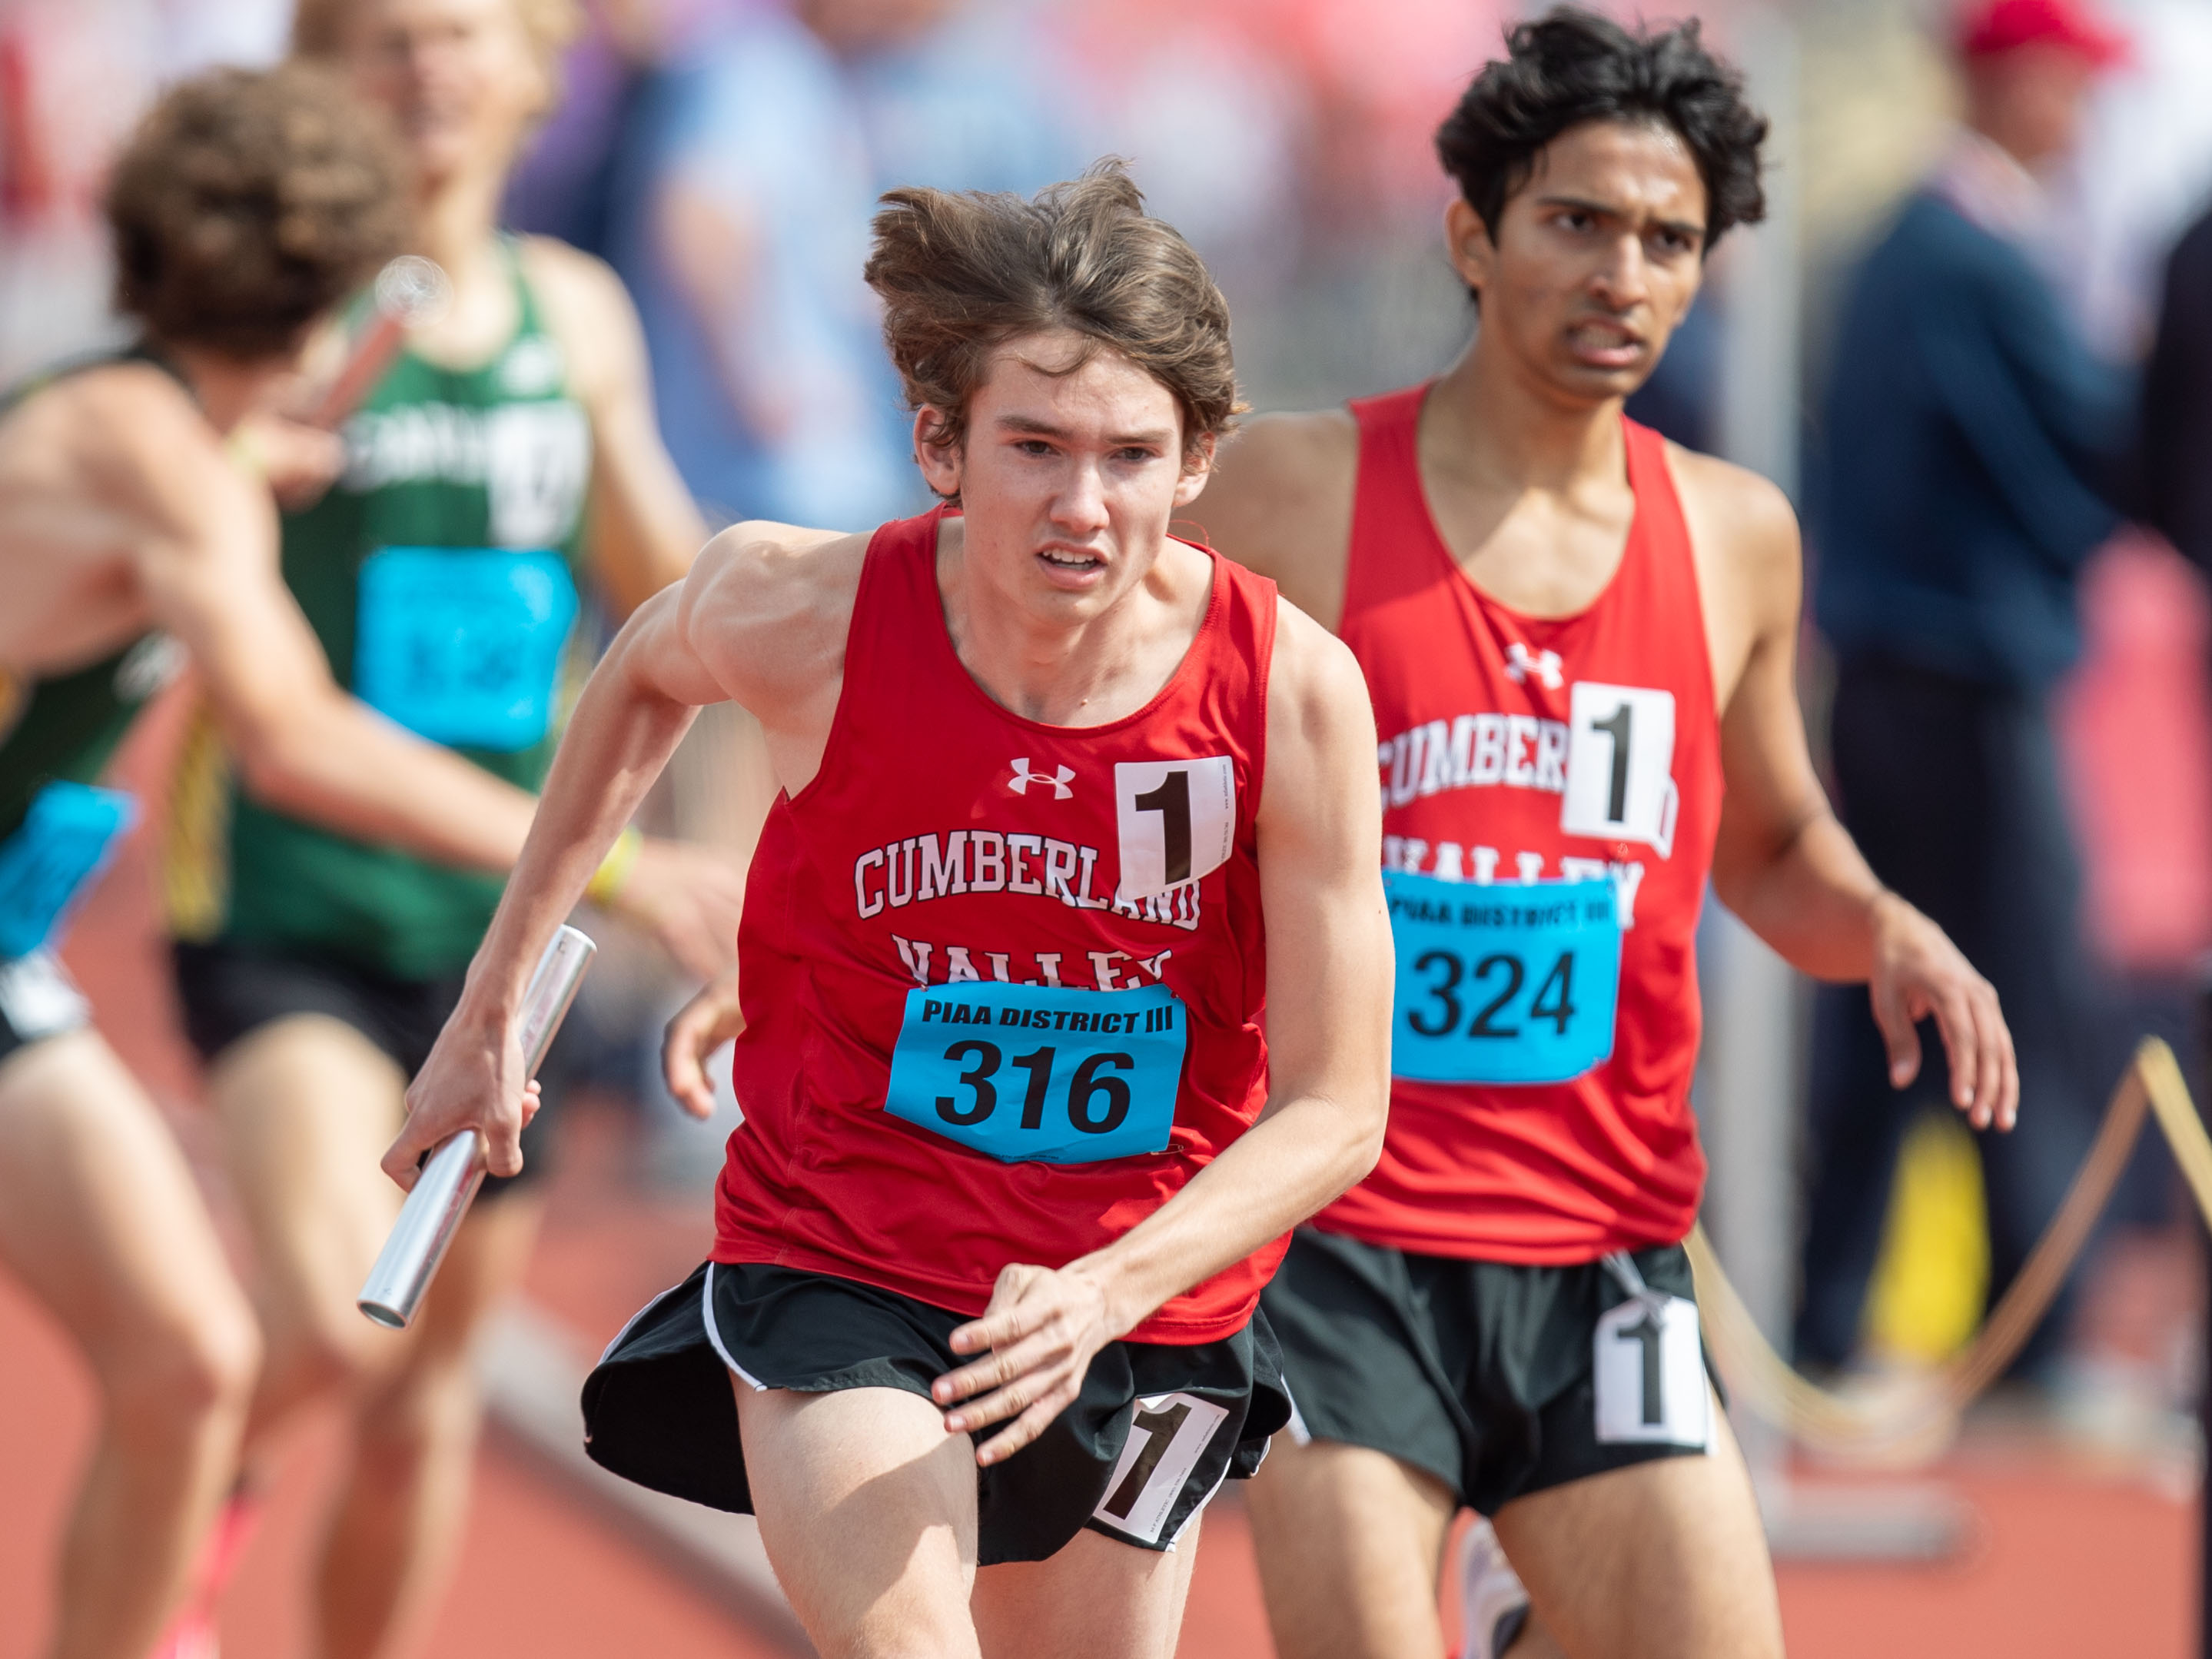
<point x="2000" y="26"/>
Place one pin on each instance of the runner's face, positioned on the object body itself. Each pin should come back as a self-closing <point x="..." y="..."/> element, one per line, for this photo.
<point x="460" y="78"/>
<point x="1067" y="481"/>
<point x="1596" y="260"/>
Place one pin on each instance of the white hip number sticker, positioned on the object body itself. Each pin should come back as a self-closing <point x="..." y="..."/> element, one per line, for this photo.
<point x="1167" y="1436"/>
<point x="1177" y="822"/>
<point x="1651" y="1374"/>
<point x="1621" y="758"/>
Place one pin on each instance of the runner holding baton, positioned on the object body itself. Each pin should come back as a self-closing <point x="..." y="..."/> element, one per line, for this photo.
<point x="411" y="292"/>
<point x="451" y="1175"/>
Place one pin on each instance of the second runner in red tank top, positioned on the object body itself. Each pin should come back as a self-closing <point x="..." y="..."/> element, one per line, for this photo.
<point x="1004" y="979"/>
<point x="1555" y="750"/>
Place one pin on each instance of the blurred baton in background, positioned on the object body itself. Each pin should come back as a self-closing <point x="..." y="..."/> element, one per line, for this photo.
<point x="450" y="1175"/>
<point x="410" y="291"/>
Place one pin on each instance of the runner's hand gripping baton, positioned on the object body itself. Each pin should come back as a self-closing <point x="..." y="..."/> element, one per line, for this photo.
<point x="411" y="292"/>
<point x="450" y="1175"/>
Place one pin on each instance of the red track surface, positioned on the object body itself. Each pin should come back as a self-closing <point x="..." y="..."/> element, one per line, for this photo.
<point x="2069" y="1561"/>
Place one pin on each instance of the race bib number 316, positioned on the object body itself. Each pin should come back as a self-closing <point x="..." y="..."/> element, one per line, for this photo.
<point x="1034" y="1073"/>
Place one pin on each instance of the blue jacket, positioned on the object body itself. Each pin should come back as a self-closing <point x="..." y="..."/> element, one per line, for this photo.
<point x="1962" y="470"/>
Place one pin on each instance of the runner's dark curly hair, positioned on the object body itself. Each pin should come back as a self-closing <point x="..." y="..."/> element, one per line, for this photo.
<point x="962" y="272"/>
<point x="247" y="203"/>
<point x="1570" y="66"/>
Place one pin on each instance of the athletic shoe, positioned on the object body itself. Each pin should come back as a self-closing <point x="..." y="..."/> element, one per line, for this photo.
<point x="190" y="1636"/>
<point x="1492" y="1605"/>
<point x="192" y="1633"/>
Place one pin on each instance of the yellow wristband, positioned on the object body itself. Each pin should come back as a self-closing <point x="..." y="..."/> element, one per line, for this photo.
<point x="241" y="447"/>
<point x="614" y="869"/>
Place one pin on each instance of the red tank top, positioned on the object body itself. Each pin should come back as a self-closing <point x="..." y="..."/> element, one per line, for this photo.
<point x="1477" y="707"/>
<point x="952" y="849"/>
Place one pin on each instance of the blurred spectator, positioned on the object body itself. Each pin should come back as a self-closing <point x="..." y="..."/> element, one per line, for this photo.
<point x="741" y="221"/>
<point x="1967" y="430"/>
<point x="565" y="185"/>
<point x="74" y="76"/>
<point x="2139" y="176"/>
<point x="2175" y="454"/>
<point x="2176" y="402"/>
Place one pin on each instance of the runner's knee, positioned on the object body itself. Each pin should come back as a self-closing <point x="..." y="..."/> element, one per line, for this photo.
<point x="910" y="1628"/>
<point x="326" y="1355"/>
<point x="416" y="1416"/>
<point x="169" y="1380"/>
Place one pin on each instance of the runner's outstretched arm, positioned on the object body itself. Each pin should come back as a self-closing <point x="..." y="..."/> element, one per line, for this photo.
<point x="208" y="562"/>
<point x="208" y="566"/>
<point x="1785" y="864"/>
<point x="1329" y="970"/>
<point x="771" y="615"/>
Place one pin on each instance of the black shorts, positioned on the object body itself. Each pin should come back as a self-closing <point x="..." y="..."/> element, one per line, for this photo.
<point x="658" y="1409"/>
<point x="1482" y="1373"/>
<point x="38" y="1000"/>
<point x="230" y="991"/>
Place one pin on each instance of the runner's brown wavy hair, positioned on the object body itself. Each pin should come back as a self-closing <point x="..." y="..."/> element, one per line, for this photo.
<point x="247" y="204"/>
<point x="962" y="272"/>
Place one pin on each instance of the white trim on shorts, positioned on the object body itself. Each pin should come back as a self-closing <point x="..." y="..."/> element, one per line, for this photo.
<point x="1300" y="1434"/>
<point x="714" y="1336"/>
<point x="1211" y="1492"/>
<point x="631" y="1324"/>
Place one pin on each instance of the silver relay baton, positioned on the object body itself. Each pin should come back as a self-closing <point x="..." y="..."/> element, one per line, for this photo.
<point x="450" y="1175"/>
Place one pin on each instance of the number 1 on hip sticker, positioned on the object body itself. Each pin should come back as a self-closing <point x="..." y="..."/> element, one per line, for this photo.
<point x="1168" y="1435"/>
<point x="1650" y="1374"/>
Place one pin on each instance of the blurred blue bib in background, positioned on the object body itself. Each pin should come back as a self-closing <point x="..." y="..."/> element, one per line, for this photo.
<point x="463" y="646"/>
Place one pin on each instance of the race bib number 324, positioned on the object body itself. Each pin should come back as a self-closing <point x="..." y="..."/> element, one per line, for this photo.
<point x="1038" y="1073"/>
<point x="1504" y="983"/>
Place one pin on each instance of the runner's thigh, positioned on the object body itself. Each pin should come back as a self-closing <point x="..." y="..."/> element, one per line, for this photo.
<point x="1097" y="1598"/>
<point x="308" y="1105"/>
<point x="867" y="1509"/>
<point x="1664" y="1560"/>
<point x="1349" y="1541"/>
<point x="101" y="1218"/>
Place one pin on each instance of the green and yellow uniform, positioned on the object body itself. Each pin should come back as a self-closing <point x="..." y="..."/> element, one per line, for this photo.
<point x="439" y="574"/>
<point x="57" y="733"/>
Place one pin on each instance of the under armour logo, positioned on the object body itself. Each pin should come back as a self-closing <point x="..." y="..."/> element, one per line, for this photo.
<point x="1519" y="664"/>
<point x="1023" y="778"/>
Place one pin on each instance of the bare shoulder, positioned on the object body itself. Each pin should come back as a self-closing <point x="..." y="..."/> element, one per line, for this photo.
<point x="1737" y="517"/>
<point x="767" y="606"/>
<point x="160" y="413"/>
<point x="568" y="277"/>
<point x="1279" y="502"/>
<point x="1317" y="694"/>
<point x="139" y="440"/>
<point x="587" y="309"/>
<point x="1743" y="537"/>
<point x="1288" y="448"/>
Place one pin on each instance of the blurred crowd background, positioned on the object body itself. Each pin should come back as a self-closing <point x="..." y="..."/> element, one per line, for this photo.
<point x="724" y="156"/>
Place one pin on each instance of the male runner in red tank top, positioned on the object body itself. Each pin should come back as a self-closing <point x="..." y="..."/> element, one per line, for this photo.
<point x="1580" y="641"/>
<point x="1059" y="789"/>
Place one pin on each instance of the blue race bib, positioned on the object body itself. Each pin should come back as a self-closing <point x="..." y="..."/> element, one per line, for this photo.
<point x="51" y="860"/>
<point x="1508" y="983"/>
<point x="1033" y="1073"/>
<point x="463" y="646"/>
